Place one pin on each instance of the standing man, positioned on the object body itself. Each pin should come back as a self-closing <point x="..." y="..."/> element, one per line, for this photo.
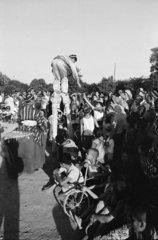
<point x="63" y="67"/>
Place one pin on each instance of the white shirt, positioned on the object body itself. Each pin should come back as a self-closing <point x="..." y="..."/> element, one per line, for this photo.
<point x="9" y="102"/>
<point x="88" y="124"/>
<point x="98" y="115"/>
<point x="44" y="102"/>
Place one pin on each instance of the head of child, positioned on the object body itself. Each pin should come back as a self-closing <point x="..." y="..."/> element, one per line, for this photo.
<point x="87" y="111"/>
<point x="66" y="161"/>
<point x="98" y="132"/>
<point x="74" y="153"/>
<point x="61" y="137"/>
<point x="139" y="217"/>
<point x="92" y="155"/>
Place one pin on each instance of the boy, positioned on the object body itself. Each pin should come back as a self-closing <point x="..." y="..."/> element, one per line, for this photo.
<point x="71" y="175"/>
<point x="94" y="169"/>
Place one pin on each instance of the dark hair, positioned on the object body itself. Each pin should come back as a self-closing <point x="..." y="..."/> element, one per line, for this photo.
<point x="66" y="158"/>
<point x="60" y="139"/>
<point x="138" y="213"/>
<point x="132" y="118"/>
<point x="98" y="132"/>
<point x="74" y="151"/>
<point x="142" y="124"/>
<point x="142" y="215"/>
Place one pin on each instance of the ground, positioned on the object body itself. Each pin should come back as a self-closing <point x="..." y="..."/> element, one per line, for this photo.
<point x="28" y="213"/>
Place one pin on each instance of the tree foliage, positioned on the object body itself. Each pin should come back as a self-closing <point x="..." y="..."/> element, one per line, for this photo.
<point x="154" y="63"/>
<point x="4" y="80"/>
<point x="106" y="85"/>
<point x="38" y="84"/>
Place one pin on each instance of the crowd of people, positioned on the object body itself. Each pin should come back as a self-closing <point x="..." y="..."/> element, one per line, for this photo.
<point x="115" y="136"/>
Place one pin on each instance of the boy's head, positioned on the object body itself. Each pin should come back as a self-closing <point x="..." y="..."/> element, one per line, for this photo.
<point x="139" y="216"/>
<point x="92" y="155"/>
<point x="74" y="153"/>
<point x="98" y="132"/>
<point x="66" y="160"/>
<point x="61" y="137"/>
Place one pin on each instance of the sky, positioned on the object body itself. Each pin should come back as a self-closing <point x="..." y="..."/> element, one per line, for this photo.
<point x="101" y="33"/>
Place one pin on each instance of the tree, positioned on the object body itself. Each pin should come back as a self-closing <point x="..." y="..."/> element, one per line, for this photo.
<point x="154" y="64"/>
<point x="106" y="85"/>
<point x="50" y="87"/>
<point x="19" y="86"/>
<point x="4" y="79"/>
<point x="38" y="84"/>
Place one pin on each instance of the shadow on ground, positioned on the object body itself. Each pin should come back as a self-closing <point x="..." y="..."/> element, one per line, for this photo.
<point x="65" y="227"/>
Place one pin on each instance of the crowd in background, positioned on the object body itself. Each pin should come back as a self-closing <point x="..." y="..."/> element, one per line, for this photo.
<point x="116" y="136"/>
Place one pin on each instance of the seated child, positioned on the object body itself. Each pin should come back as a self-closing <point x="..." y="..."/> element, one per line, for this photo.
<point x="98" y="143"/>
<point x="91" y="162"/>
<point x="142" y="226"/>
<point x="71" y="174"/>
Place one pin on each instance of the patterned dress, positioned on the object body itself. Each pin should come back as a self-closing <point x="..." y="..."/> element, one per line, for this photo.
<point x="27" y="112"/>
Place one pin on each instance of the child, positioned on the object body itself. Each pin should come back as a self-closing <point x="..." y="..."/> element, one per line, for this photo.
<point x="98" y="143"/>
<point x="91" y="162"/>
<point x="142" y="227"/>
<point x="71" y="175"/>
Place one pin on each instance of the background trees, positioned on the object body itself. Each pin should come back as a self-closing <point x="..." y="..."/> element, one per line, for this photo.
<point x="104" y="86"/>
<point x="154" y="64"/>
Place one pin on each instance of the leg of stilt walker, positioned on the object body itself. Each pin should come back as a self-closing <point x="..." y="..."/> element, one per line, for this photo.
<point x="66" y="102"/>
<point x="55" y="104"/>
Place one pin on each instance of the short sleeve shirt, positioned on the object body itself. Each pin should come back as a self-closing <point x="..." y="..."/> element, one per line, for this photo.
<point x="74" y="174"/>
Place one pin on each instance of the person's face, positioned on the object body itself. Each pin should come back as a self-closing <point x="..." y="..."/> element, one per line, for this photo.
<point x="32" y="91"/>
<point x="138" y="226"/>
<point x="73" y="60"/>
<point x="109" y="112"/>
<point x="94" y="98"/>
<point x="106" y="98"/>
<point x="98" y="105"/>
<point x="138" y="100"/>
<point x="73" y="98"/>
<point x="89" y="156"/>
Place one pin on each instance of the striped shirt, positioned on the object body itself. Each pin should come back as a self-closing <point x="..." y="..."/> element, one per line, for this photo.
<point x="27" y="112"/>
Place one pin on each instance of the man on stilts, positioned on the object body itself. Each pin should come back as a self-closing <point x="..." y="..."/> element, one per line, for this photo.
<point x="63" y="67"/>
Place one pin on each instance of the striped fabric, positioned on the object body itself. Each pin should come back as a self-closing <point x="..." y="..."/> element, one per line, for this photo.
<point x="27" y="112"/>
